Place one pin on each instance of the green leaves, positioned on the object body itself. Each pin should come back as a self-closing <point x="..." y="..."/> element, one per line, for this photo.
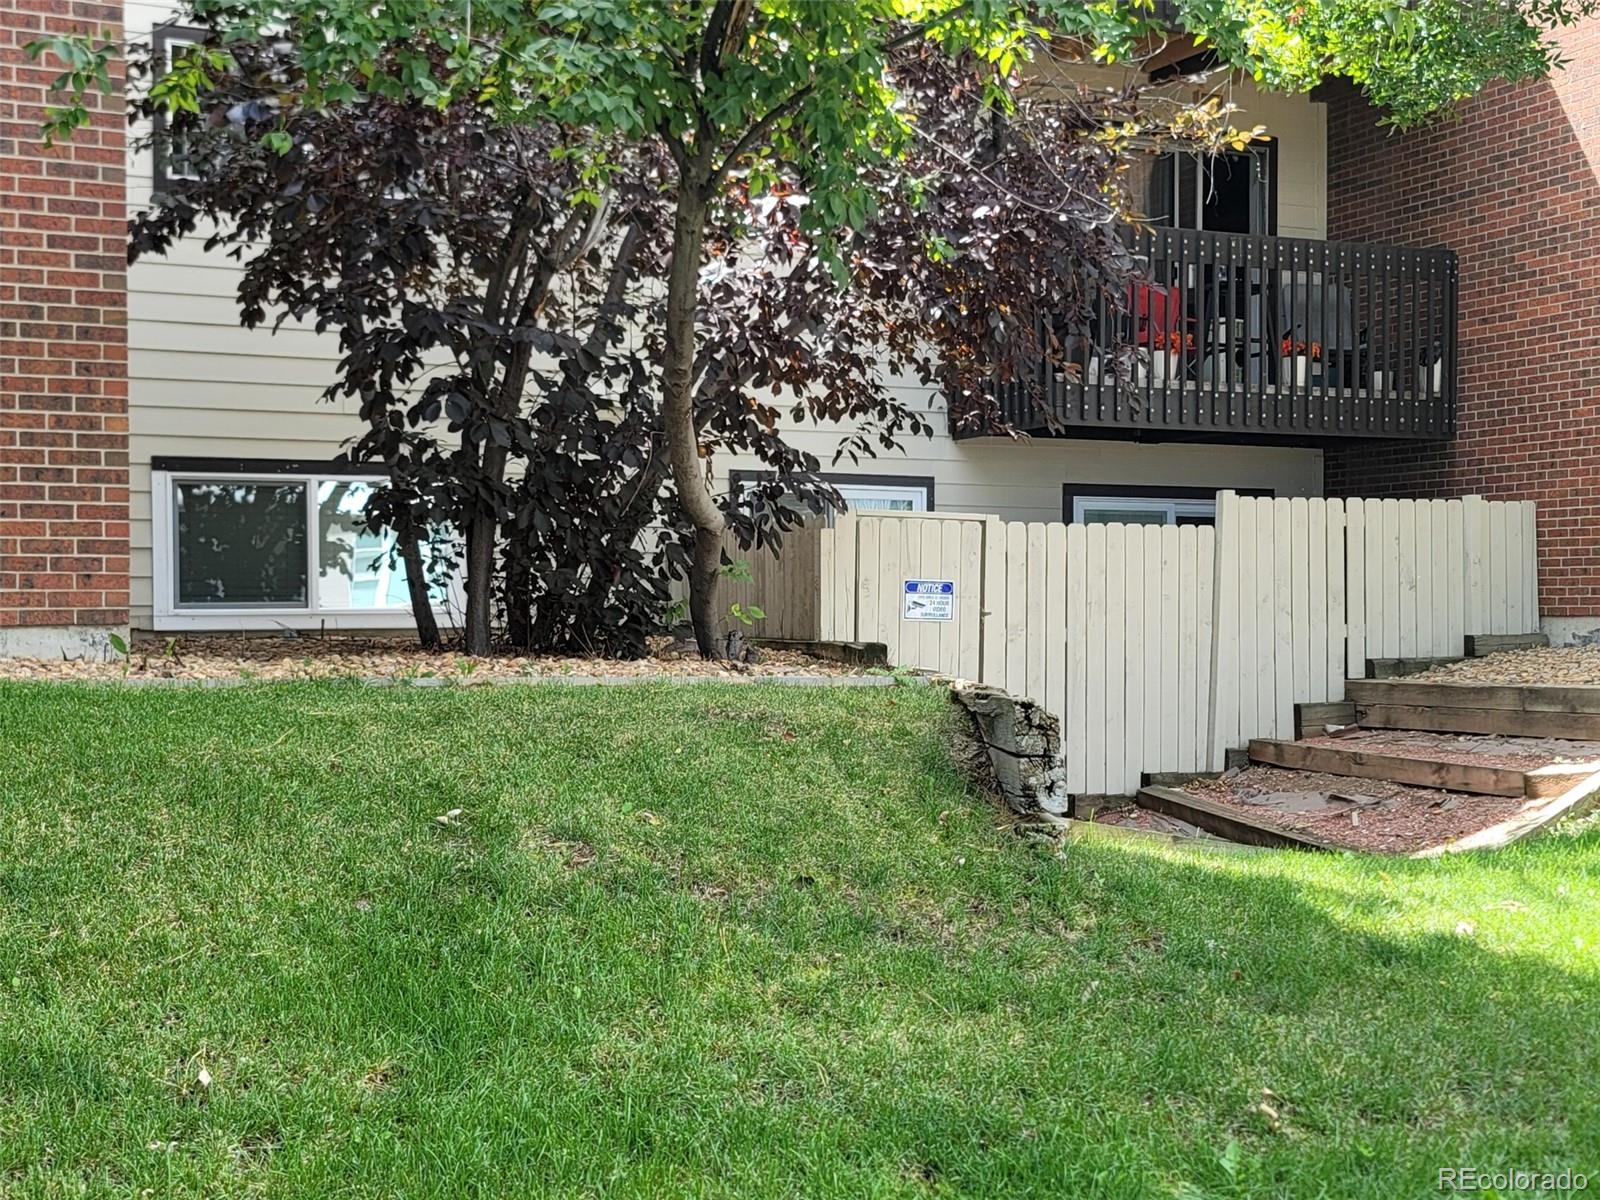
<point x="1412" y="59"/>
<point x="88" y="68"/>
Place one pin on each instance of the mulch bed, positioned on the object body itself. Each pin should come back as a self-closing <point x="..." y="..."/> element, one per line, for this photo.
<point x="1133" y="817"/>
<point x="274" y="658"/>
<point x="1359" y="814"/>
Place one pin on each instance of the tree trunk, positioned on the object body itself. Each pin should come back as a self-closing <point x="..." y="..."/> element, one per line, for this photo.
<point x="519" y="607"/>
<point x="481" y="538"/>
<point x="417" y="586"/>
<point x="677" y="414"/>
<point x="480" y="575"/>
<point x="704" y="573"/>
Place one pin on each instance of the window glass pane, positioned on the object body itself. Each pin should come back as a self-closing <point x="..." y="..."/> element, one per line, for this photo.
<point x="1125" y="516"/>
<point x="242" y="543"/>
<point x="354" y="564"/>
<point x="884" y="498"/>
<point x="176" y="163"/>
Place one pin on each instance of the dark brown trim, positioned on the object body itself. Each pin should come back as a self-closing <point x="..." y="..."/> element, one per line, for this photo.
<point x="261" y="466"/>
<point x="737" y="480"/>
<point x="1070" y="492"/>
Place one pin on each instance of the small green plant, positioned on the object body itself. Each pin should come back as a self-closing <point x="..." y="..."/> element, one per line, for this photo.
<point x="120" y="645"/>
<point x="746" y="614"/>
<point x="466" y="666"/>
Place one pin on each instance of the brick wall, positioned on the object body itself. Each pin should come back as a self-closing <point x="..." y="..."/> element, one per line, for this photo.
<point x="63" y="350"/>
<point x="1513" y="186"/>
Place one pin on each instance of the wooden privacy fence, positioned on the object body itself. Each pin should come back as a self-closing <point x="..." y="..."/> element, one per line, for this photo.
<point x="1159" y="647"/>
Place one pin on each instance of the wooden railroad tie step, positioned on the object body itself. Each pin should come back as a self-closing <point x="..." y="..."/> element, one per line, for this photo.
<point x="1396" y="668"/>
<point x="1481" y="778"/>
<point x="1525" y="711"/>
<point x="1314" y="718"/>
<point x="1479" y="644"/>
<point x="1511" y="697"/>
<point x="1578" y="726"/>
<point x="1224" y="821"/>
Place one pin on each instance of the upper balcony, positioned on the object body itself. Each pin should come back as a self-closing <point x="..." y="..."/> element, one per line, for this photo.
<point x="1252" y="338"/>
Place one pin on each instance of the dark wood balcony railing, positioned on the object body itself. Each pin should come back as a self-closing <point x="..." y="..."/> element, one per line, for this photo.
<point x="1252" y="337"/>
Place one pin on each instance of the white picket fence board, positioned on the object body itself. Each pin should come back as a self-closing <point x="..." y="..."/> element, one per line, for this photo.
<point x="1159" y="697"/>
<point x="1355" y="585"/>
<point x="1175" y="564"/>
<point x="1336" y="584"/>
<point x="1200" y="614"/>
<point x="1456" y="562"/>
<point x="1528" y="568"/>
<point x="1096" y="584"/>
<point x="993" y="613"/>
<point x="1075" y="730"/>
<point x="1243" y="565"/>
<point x="1055" y="621"/>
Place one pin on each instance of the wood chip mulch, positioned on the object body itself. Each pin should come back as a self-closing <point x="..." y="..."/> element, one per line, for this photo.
<point x="1358" y="814"/>
<point x="1133" y="817"/>
<point x="234" y="658"/>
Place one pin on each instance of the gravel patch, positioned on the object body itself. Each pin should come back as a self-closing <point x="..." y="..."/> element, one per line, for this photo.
<point x="1552" y="665"/>
<point x="1359" y="814"/>
<point x="234" y="659"/>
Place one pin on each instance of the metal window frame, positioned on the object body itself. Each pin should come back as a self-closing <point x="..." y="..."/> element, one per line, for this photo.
<point x="169" y="615"/>
<point x="740" y="477"/>
<point x="1075" y="495"/>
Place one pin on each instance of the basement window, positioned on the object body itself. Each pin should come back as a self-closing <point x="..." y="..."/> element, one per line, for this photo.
<point x="1142" y="504"/>
<point x="270" y="548"/>
<point x="1153" y="510"/>
<point x="884" y="497"/>
<point x="861" y="493"/>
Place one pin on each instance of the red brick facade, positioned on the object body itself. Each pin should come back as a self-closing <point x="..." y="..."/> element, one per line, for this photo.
<point x="1512" y="185"/>
<point x="63" y="342"/>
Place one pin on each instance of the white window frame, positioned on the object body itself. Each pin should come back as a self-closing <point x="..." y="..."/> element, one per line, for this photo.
<point x="916" y="493"/>
<point x="169" y="616"/>
<point x="1172" y="506"/>
<point x="175" y="39"/>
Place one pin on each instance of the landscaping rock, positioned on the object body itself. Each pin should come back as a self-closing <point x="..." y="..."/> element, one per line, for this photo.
<point x="1013" y="747"/>
<point x="1556" y="666"/>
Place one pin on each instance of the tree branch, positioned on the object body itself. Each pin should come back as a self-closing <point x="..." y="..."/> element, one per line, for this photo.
<point x="615" y="286"/>
<point x="753" y="136"/>
<point x="727" y="19"/>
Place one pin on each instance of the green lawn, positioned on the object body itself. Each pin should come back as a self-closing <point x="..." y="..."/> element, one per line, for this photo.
<point x="717" y="940"/>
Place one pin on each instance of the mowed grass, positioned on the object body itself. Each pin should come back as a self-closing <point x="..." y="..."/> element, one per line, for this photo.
<point x="724" y="941"/>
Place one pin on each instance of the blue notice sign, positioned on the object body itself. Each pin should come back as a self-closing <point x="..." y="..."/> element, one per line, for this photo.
<point x="930" y="600"/>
